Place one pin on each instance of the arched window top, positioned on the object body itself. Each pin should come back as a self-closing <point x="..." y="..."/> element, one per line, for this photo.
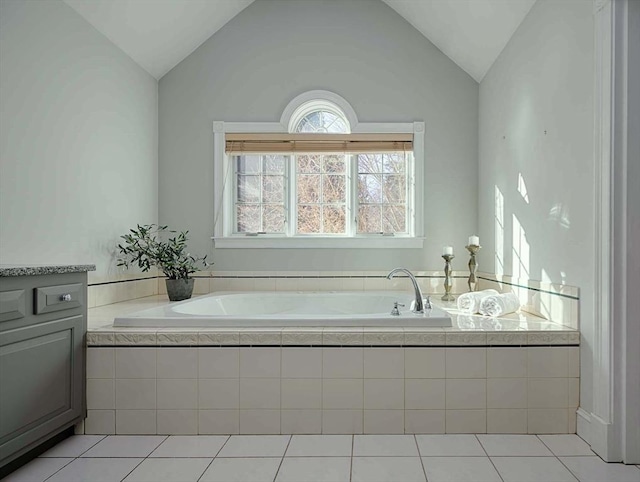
<point x="319" y="111"/>
<point x="323" y="120"/>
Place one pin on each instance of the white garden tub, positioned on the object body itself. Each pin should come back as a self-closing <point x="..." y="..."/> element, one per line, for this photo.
<point x="286" y="309"/>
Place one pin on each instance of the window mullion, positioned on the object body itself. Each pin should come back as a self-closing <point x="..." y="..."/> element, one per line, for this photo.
<point x="292" y="225"/>
<point x="352" y="194"/>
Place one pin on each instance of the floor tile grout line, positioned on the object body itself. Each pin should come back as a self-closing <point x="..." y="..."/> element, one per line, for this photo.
<point x="282" y="458"/>
<point x="570" y="471"/>
<point x="214" y="457"/>
<point x="73" y="459"/>
<point x="353" y="437"/>
<point x="487" y="454"/>
<point x="424" y="470"/>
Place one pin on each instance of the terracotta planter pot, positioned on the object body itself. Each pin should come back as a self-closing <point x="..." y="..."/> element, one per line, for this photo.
<point x="179" y="289"/>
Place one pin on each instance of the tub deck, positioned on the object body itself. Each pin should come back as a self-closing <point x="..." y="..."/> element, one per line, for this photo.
<point x="515" y="329"/>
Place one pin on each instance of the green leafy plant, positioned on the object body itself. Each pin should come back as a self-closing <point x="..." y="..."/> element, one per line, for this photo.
<point x="145" y="246"/>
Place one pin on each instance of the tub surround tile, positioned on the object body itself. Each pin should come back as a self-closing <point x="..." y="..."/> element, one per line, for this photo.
<point x="424" y="362"/>
<point x="299" y="336"/>
<point x="506" y="362"/>
<point x="222" y="338"/>
<point x="167" y="338"/>
<point x="424" y="421"/>
<point x="343" y="394"/>
<point x="177" y="394"/>
<point x="383" y="362"/>
<point x="177" y="422"/>
<point x="97" y="338"/>
<point x="101" y="363"/>
<point x="301" y="363"/>
<point x="256" y="422"/>
<point x="466" y="362"/>
<point x="177" y="363"/>
<point x="218" y="363"/>
<point x="507" y="421"/>
<point x="220" y="393"/>
<point x="101" y="394"/>
<point x="139" y="338"/>
<point x="136" y="422"/>
<point x="466" y="421"/>
<point x="260" y="362"/>
<point x="301" y="421"/>
<point x="212" y="422"/>
<point x="100" y="422"/>
<point x="465" y="339"/>
<point x="343" y="337"/>
<point x="301" y="393"/>
<point x="392" y="337"/>
<point x="424" y="394"/>
<point x="516" y="339"/>
<point x="343" y="362"/>
<point x="262" y="337"/>
<point x="383" y="394"/>
<point x="423" y="338"/>
<point x="342" y="421"/>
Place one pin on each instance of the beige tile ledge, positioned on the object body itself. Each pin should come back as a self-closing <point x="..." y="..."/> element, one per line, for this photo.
<point x="516" y="329"/>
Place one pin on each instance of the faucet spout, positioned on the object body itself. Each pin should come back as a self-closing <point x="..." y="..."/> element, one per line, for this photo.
<point x="419" y="304"/>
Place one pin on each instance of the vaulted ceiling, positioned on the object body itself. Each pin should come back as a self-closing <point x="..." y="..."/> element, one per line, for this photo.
<point x="158" y="34"/>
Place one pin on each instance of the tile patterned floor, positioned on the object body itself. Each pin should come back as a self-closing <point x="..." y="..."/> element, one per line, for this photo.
<point x="324" y="458"/>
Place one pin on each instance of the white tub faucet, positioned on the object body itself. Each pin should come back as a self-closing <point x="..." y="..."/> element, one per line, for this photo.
<point x="419" y="306"/>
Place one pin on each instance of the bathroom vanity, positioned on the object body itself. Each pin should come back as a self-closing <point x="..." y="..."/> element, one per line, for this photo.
<point x="43" y="323"/>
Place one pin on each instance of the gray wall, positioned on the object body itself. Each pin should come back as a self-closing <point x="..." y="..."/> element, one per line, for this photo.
<point x="78" y="139"/>
<point x="362" y="50"/>
<point x="536" y="119"/>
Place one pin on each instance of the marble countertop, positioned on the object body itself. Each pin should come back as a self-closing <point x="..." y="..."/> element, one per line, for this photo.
<point x="39" y="269"/>
<point x="520" y="328"/>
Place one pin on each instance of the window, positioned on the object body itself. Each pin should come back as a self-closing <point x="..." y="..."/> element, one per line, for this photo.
<point x="316" y="181"/>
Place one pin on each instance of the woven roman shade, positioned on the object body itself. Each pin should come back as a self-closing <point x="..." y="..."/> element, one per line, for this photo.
<point x="239" y="143"/>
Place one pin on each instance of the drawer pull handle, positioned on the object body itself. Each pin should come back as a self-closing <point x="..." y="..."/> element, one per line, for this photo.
<point x="65" y="297"/>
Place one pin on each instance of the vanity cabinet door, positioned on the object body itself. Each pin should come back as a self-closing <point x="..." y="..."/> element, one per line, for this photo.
<point x="41" y="374"/>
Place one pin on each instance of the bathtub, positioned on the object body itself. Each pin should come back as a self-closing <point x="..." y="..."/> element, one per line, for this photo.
<point x="286" y="309"/>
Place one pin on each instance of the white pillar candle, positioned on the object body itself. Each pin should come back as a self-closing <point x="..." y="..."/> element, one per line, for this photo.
<point x="474" y="241"/>
<point x="447" y="250"/>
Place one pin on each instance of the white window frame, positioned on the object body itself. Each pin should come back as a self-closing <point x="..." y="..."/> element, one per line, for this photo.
<point x="297" y="108"/>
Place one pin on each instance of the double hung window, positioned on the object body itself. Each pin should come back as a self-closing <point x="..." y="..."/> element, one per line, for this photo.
<point x="319" y="181"/>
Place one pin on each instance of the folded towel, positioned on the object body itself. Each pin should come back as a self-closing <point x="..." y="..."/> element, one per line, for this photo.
<point x="470" y="302"/>
<point x="496" y="305"/>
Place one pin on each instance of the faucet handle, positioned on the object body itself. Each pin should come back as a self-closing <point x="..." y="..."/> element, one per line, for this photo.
<point x="395" y="311"/>
<point x="427" y="303"/>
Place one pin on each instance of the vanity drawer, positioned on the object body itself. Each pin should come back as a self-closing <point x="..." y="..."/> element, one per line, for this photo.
<point x="57" y="298"/>
<point x="13" y="305"/>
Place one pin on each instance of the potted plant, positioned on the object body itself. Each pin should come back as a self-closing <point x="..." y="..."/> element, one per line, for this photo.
<point x="146" y="247"/>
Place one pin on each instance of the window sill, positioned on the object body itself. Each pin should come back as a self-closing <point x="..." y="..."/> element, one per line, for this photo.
<point x="259" y="242"/>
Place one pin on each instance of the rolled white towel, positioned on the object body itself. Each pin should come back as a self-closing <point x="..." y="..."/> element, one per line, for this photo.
<point x="470" y="302"/>
<point x="496" y="305"/>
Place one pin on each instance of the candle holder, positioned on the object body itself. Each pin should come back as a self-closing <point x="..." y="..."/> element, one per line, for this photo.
<point x="448" y="282"/>
<point x="473" y="266"/>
